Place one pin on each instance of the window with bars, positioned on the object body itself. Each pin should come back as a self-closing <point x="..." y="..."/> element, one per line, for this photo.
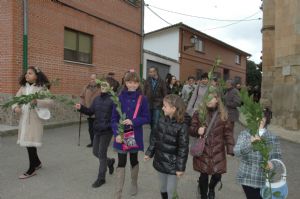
<point x="78" y="46"/>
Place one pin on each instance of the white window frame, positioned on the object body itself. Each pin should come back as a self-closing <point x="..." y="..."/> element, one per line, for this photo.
<point x="199" y="46"/>
<point x="238" y="59"/>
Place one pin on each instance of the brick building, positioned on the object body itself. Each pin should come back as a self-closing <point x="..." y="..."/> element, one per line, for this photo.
<point x="281" y="61"/>
<point x="69" y="40"/>
<point x="195" y="52"/>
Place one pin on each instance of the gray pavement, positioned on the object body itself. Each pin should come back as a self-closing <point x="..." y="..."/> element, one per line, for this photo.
<point x="69" y="170"/>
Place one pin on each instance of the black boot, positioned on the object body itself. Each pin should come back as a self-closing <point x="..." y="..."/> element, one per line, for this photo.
<point x="212" y="184"/>
<point x="164" y="195"/>
<point x="203" y="186"/>
<point x="98" y="183"/>
<point x="110" y="165"/>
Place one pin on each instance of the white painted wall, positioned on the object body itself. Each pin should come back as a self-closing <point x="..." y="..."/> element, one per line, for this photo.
<point x="174" y="66"/>
<point x="164" y="43"/>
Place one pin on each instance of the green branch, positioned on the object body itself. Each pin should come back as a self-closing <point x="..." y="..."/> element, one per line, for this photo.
<point x="253" y="113"/>
<point x="116" y="101"/>
<point x="210" y="89"/>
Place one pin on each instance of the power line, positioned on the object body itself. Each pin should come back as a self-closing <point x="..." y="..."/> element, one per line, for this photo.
<point x="206" y="18"/>
<point x="218" y="27"/>
<point x="158" y="15"/>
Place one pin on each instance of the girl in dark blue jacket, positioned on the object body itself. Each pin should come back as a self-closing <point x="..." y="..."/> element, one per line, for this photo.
<point x="102" y="109"/>
<point x="132" y="101"/>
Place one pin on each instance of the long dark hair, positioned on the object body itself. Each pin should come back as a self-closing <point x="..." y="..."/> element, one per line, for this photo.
<point x="41" y="80"/>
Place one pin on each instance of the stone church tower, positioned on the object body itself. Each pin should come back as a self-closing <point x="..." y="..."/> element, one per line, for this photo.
<point x="281" y="61"/>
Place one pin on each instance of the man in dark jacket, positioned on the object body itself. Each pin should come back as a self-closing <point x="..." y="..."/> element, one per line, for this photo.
<point x="155" y="90"/>
<point x="232" y="101"/>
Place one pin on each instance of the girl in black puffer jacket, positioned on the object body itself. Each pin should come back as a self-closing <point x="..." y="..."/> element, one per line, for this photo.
<point x="169" y="145"/>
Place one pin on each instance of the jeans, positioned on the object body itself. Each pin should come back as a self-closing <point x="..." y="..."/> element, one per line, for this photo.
<point x="155" y="114"/>
<point x="168" y="183"/>
<point x="91" y="128"/>
<point x="100" y="145"/>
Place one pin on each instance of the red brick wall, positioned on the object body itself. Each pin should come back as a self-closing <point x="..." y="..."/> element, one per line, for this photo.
<point x="192" y="60"/>
<point x="114" y="49"/>
<point x="6" y="43"/>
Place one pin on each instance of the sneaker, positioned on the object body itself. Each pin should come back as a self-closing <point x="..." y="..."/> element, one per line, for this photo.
<point x="98" y="183"/>
<point x="110" y="166"/>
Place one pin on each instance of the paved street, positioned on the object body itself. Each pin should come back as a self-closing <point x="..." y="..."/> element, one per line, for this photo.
<point x="69" y="171"/>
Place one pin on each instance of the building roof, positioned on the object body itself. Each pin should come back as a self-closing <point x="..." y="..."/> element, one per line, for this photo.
<point x="186" y="27"/>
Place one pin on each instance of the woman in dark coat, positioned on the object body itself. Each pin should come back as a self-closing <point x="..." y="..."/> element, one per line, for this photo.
<point x="219" y="141"/>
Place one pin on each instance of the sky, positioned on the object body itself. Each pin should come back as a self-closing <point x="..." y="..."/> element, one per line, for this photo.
<point x="244" y="35"/>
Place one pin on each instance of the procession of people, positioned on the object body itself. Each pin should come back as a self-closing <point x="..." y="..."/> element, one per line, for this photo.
<point x="172" y="111"/>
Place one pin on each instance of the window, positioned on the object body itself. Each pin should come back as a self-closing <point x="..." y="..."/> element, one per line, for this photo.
<point x="237" y="59"/>
<point x="225" y="74"/>
<point x="78" y="46"/>
<point x="199" y="45"/>
<point x="199" y="72"/>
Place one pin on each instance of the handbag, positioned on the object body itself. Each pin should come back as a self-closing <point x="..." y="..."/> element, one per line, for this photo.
<point x="197" y="148"/>
<point x="279" y="189"/>
<point x="129" y="141"/>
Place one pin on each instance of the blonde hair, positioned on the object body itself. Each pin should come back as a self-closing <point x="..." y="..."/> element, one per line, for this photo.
<point x="221" y="107"/>
<point x="178" y="103"/>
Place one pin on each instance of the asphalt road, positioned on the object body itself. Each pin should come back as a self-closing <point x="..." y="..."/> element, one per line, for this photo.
<point x="69" y="170"/>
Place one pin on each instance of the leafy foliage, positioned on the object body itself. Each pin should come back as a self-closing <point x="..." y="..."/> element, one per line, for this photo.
<point x="253" y="74"/>
<point x="254" y="113"/>
<point x="43" y="94"/>
<point x="210" y="89"/>
<point x="115" y="99"/>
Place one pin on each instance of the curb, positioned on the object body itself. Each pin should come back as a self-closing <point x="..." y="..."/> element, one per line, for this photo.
<point x="14" y="129"/>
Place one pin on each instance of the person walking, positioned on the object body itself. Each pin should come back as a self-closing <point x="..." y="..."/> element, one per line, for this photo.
<point x="135" y="106"/>
<point x="87" y="96"/>
<point x="219" y="142"/>
<point x="169" y="145"/>
<point x="155" y="90"/>
<point x="30" y="130"/>
<point x="101" y="107"/>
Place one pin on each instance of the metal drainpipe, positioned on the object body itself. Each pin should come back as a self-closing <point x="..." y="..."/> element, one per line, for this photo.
<point x="142" y="40"/>
<point x="25" y="33"/>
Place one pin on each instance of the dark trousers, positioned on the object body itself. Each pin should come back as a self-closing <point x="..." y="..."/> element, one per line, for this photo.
<point x="252" y="193"/>
<point x="34" y="160"/>
<point x="100" y="146"/>
<point x="122" y="159"/>
<point x="155" y="114"/>
<point x="91" y="128"/>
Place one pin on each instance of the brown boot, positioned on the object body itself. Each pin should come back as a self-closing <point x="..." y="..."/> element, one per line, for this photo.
<point x="134" y="177"/>
<point x="120" y="174"/>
